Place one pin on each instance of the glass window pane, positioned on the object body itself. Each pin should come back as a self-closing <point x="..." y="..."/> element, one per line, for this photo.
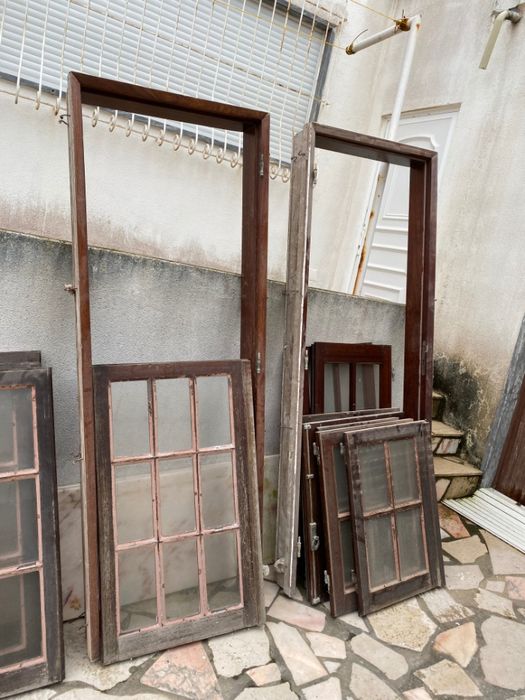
<point x="173" y="415"/>
<point x="133" y="502"/>
<point x="222" y="570"/>
<point x="213" y="411"/>
<point x="130" y="418"/>
<point x="380" y="551"/>
<point x="347" y="547"/>
<point x="16" y="430"/>
<point x="336" y="387"/>
<point x="216" y="473"/>
<point x="18" y="523"/>
<point x="404" y="470"/>
<point x="137" y="588"/>
<point x="341" y="481"/>
<point x="181" y="578"/>
<point x="366" y="386"/>
<point x="177" y="496"/>
<point x="20" y="619"/>
<point x="410" y="537"/>
<point x="373" y="477"/>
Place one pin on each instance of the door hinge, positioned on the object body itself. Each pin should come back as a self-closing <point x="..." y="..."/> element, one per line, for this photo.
<point x="258" y="363"/>
<point x="306" y="358"/>
<point x="314" y="179"/>
<point x="315" y="450"/>
<point x="299" y="546"/>
<point x="341" y="448"/>
<point x="314" y="537"/>
<point x="327" y="580"/>
<point x="261" y="165"/>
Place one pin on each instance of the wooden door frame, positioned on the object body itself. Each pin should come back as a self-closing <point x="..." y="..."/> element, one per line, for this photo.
<point x="419" y="319"/>
<point x="255" y="126"/>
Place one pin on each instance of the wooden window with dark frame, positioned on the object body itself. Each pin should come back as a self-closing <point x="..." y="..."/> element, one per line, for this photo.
<point x="396" y="532"/>
<point x="350" y="376"/>
<point x="313" y="521"/>
<point x="31" y="642"/>
<point x="255" y="128"/>
<point x="178" y="510"/>
<point x="419" y="315"/>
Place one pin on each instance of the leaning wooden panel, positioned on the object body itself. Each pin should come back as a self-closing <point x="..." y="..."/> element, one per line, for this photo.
<point x="180" y="548"/>
<point x="111" y="94"/>
<point x="293" y="359"/>
<point x="396" y="534"/>
<point x="31" y="643"/>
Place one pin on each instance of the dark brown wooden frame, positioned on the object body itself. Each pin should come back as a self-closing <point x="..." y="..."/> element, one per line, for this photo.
<point x="510" y="477"/>
<point x="419" y="319"/>
<point x="51" y="670"/>
<point x="110" y="94"/>
<point x="368" y="600"/>
<point x="314" y="524"/>
<point x="352" y="354"/>
<point x="117" y="647"/>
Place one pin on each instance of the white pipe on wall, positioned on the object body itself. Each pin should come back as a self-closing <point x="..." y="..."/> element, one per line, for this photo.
<point x="511" y="15"/>
<point x="402" y="25"/>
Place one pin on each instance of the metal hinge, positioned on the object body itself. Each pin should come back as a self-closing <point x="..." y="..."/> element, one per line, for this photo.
<point x="261" y="165"/>
<point x="306" y="358"/>
<point x="258" y="363"/>
<point x="299" y="545"/>
<point x="314" y="537"/>
<point x="341" y="448"/>
<point x="314" y="180"/>
<point x="327" y="580"/>
<point x="315" y="450"/>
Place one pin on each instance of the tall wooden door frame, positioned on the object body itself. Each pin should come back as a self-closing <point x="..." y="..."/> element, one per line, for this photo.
<point x="419" y="319"/>
<point x="255" y="125"/>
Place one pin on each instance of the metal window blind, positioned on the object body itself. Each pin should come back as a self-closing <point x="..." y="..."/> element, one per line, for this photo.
<point x="257" y="53"/>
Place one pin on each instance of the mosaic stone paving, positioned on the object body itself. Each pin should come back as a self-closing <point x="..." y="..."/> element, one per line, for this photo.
<point x="464" y="641"/>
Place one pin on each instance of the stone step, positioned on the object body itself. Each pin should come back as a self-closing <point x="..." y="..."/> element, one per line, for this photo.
<point x="445" y="439"/>
<point x="438" y="404"/>
<point x="455" y="478"/>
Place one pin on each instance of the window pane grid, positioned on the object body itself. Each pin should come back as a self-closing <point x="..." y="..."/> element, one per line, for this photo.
<point x="200" y="533"/>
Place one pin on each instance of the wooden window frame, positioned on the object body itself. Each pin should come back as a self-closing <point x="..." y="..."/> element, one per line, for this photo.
<point x="117" y="646"/>
<point x="315" y="552"/>
<point x="371" y="600"/>
<point x="114" y="95"/>
<point x="48" y="669"/>
<point x="352" y="354"/>
<point x="419" y="319"/>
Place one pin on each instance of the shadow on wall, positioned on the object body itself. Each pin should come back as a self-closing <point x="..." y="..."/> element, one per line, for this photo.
<point x="471" y="401"/>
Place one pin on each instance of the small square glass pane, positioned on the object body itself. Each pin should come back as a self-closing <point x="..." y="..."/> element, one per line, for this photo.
<point x="336" y="387"/>
<point x="366" y="386"/>
<point x="222" y="570"/>
<point x="137" y="588"/>
<point x="181" y="578"/>
<point x="20" y="619"/>
<point x="133" y="502"/>
<point x="17" y="448"/>
<point x="347" y="548"/>
<point x="341" y="481"/>
<point x="380" y="551"/>
<point x="404" y="470"/>
<point x="374" y="484"/>
<point x="216" y="474"/>
<point x="411" y="547"/>
<point x="174" y="432"/>
<point x="18" y="523"/>
<point x="130" y="419"/>
<point x="177" y="496"/>
<point x="213" y="411"/>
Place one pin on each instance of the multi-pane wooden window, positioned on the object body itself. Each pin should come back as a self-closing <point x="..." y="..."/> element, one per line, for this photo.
<point x="396" y="534"/>
<point x="176" y="469"/>
<point x="30" y="614"/>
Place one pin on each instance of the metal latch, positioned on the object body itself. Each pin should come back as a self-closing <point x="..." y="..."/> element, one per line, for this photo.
<point x="314" y="537"/>
<point x="314" y="179"/>
<point x="306" y="358"/>
<point x="327" y="580"/>
<point x="258" y="363"/>
<point x="341" y="448"/>
<point x="315" y="450"/>
<point x="261" y="165"/>
<point x="299" y="546"/>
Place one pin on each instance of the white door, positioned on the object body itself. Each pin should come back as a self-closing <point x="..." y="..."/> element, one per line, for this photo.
<point x="385" y="271"/>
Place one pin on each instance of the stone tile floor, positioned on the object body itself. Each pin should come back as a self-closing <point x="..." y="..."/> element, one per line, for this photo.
<point x="464" y="641"/>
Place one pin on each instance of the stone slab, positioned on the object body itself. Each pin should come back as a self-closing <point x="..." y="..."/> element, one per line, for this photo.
<point x="515" y="587"/>
<point x="297" y="614"/>
<point x="466" y="550"/>
<point x="443" y="606"/>
<point x="458" y="642"/>
<point x="502" y="659"/>
<point x="463" y="577"/>
<point x="273" y="692"/>
<point x="496" y="586"/>
<point x="441" y="488"/>
<point x="451" y="522"/>
<point x="417" y="694"/>
<point x="234" y="652"/>
<point x="326" y="690"/>
<point x="270" y="591"/>
<point x="447" y="678"/>
<point x="494" y="603"/>
<point x="504" y="558"/>
<point x="185" y="671"/>
<point x="262" y="675"/>
<point x="388" y="661"/>
<point x="297" y="655"/>
<point x="354" y="620"/>
<point x="365" y="685"/>
<point x="463" y="486"/>
<point x="326" y="645"/>
<point x="405" y="625"/>
<point x="332" y="666"/>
